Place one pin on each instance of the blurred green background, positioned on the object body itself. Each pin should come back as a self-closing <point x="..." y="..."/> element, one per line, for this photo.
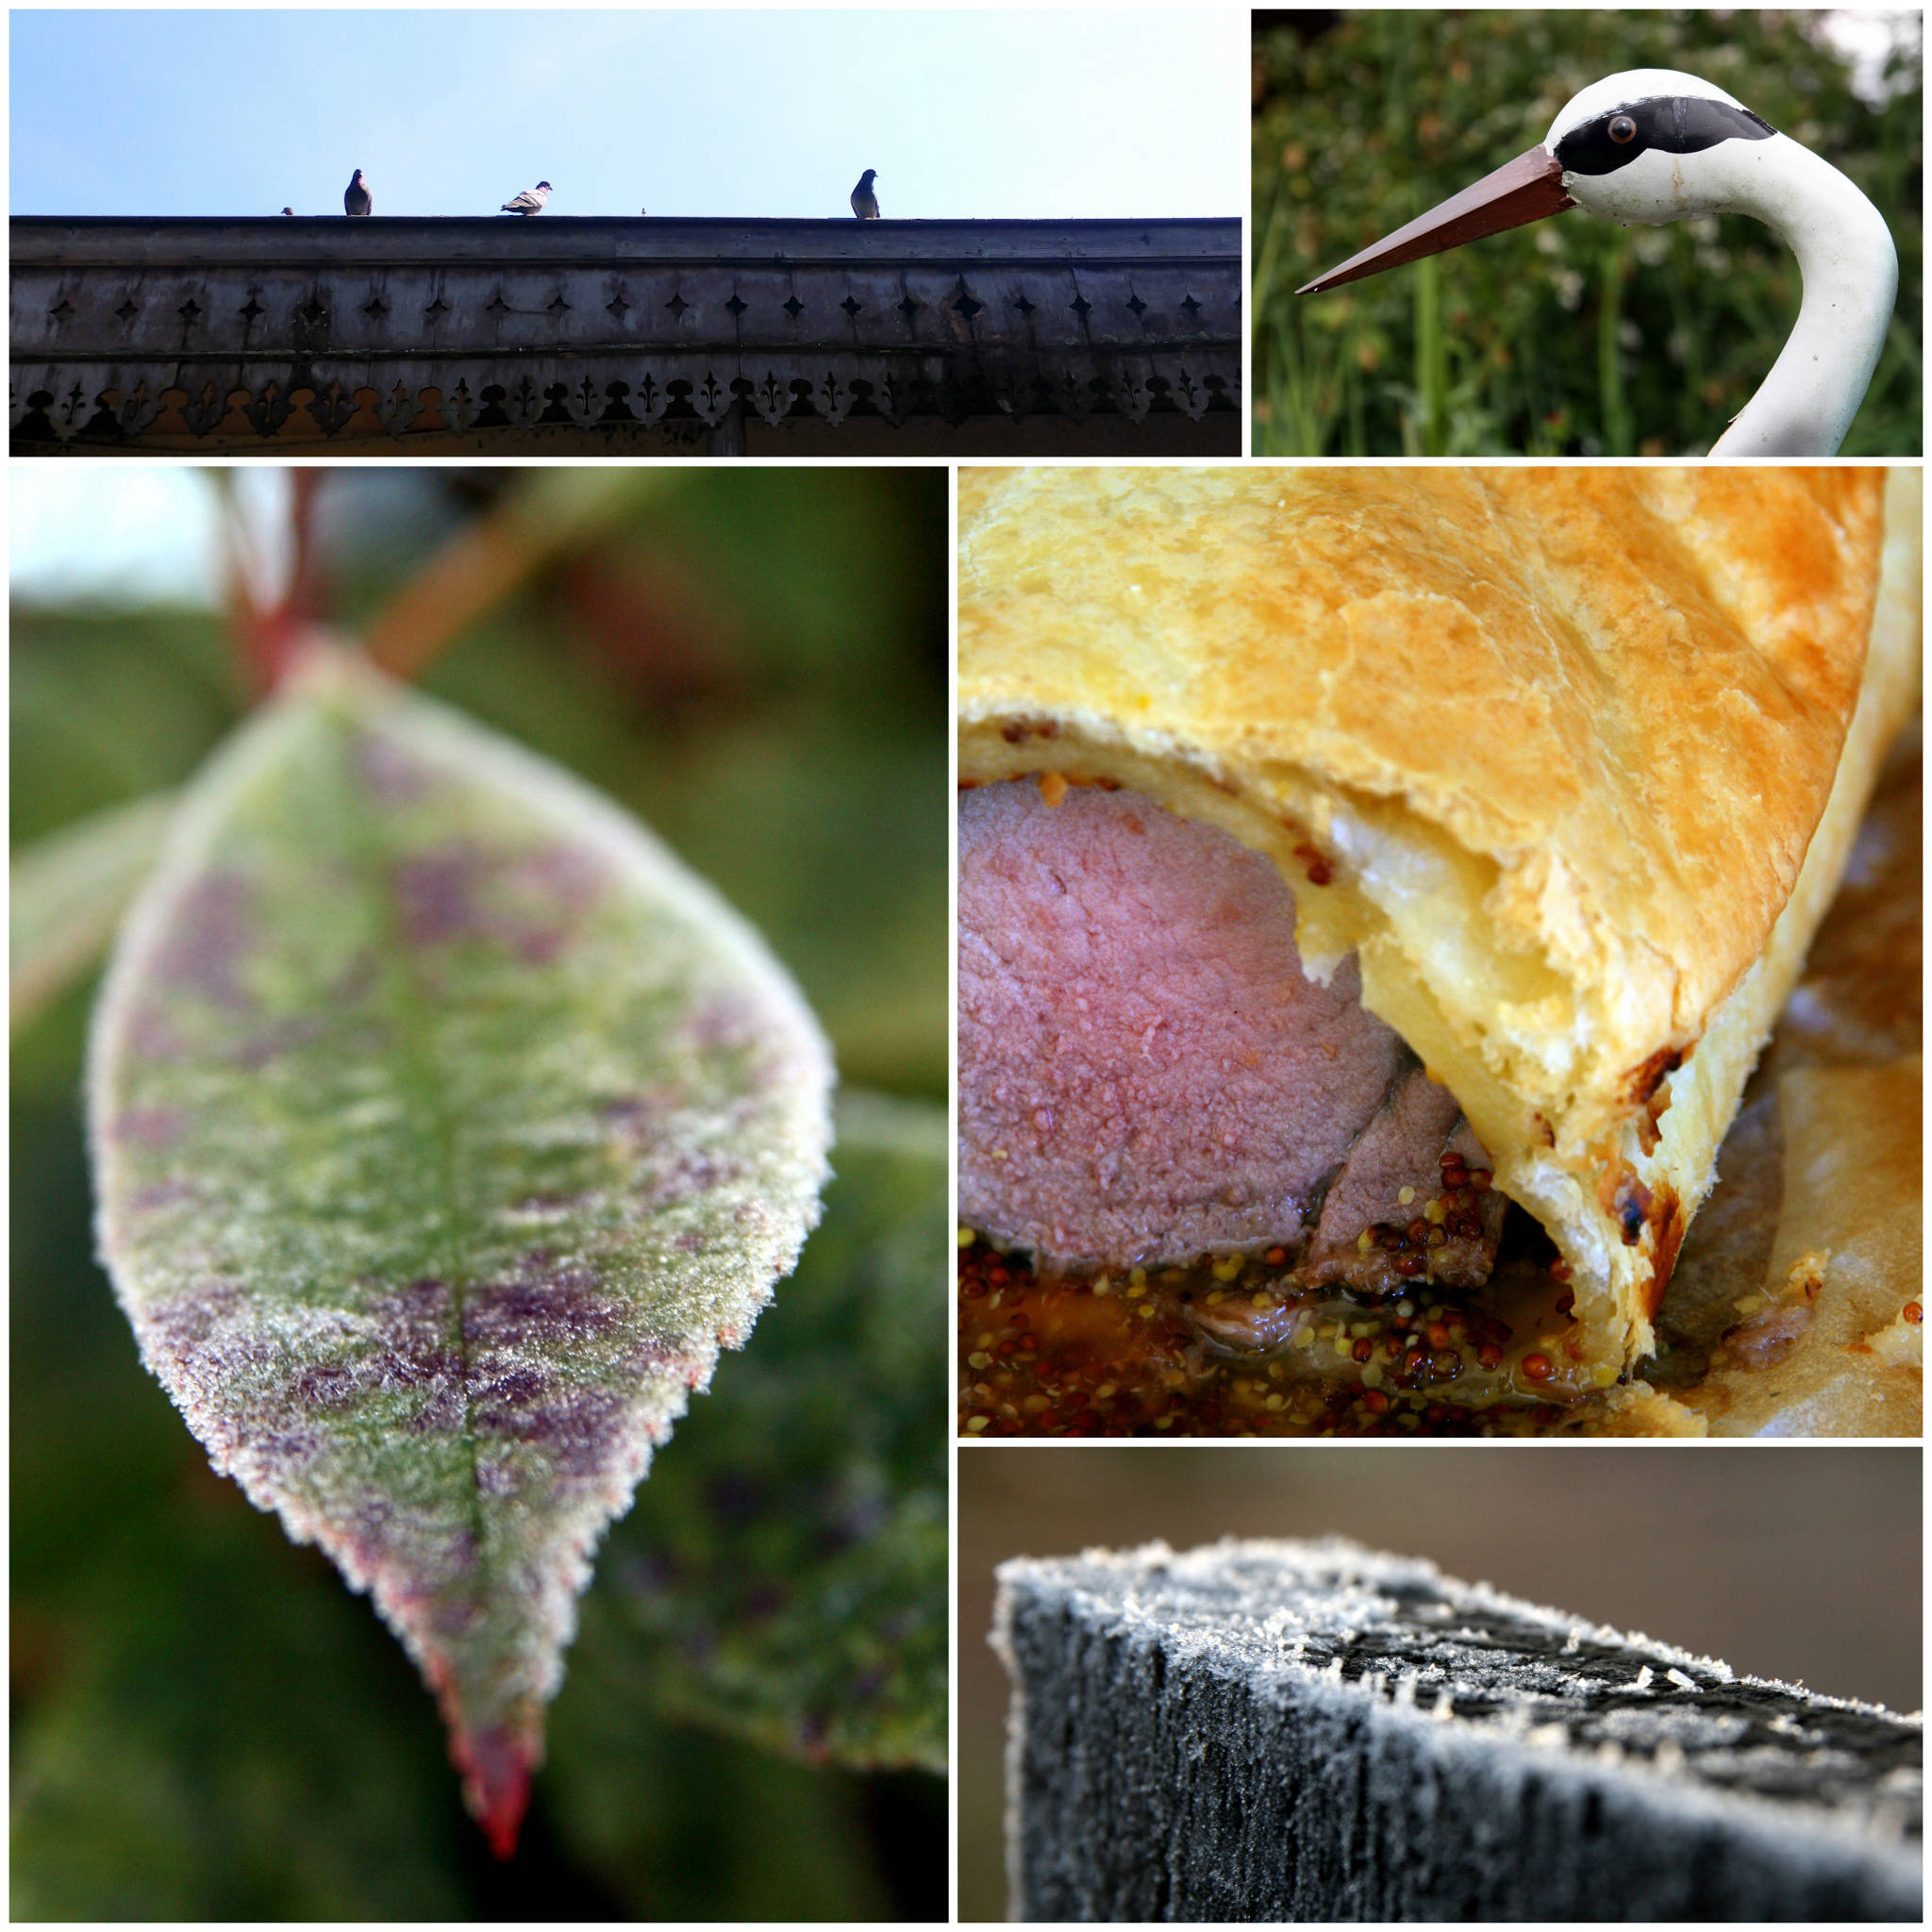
<point x="1790" y="1560"/>
<point x="206" y="1724"/>
<point x="1571" y="336"/>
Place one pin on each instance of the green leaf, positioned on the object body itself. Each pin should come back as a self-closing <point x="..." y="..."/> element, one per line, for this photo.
<point x="67" y="892"/>
<point x="444" y="1128"/>
<point x="107" y="707"/>
<point x="684" y="1826"/>
<point x="783" y="1576"/>
<point x="145" y="1783"/>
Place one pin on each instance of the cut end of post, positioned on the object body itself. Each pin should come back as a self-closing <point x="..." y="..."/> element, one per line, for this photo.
<point x="496" y="1767"/>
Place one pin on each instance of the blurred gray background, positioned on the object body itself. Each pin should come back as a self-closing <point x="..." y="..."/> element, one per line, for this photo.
<point x="1798" y="1561"/>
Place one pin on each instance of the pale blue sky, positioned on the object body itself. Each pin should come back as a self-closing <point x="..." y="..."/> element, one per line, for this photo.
<point x="124" y="534"/>
<point x="716" y="112"/>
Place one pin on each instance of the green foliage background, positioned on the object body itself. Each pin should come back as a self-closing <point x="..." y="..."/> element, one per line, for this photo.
<point x="1571" y="336"/>
<point x="206" y="1724"/>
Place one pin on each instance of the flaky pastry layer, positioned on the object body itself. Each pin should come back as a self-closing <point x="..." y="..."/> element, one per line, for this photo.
<point x="1571" y="758"/>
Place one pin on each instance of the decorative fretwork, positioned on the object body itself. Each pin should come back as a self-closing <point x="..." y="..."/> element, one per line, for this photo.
<point x="230" y="334"/>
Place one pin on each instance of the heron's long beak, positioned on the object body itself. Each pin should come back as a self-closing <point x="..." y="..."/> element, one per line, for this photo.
<point x="1524" y="189"/>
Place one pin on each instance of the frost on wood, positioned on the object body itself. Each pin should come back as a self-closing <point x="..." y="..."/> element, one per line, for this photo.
<point x="1309" y="1731"/>
<point x="444" y="1129"/>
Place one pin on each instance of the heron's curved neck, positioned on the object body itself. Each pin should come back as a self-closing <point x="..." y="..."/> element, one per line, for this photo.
<point x="1850" y="271"/>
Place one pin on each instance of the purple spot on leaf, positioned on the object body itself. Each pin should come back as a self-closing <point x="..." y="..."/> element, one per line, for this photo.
<point x="455" y="1617"/>
<point x="152" y="1036"/>
<point x="518" y="1386"/>
<point x="726" y="1022"/>
<point x="205" y="942"/>
<point x="641" y="1114"/>
<point x="528" y="902"/>
<point x="437" y="894"/>
<point x="150" y="1126"/>
<point x="537" y="1311"/>
<point x="392" y="776"/>
<point x="568" y="876"/>
<point x="687" y="1172"/>
<point x="583" y="1429"/>
<point x="186" y="1322"/>
<point x="535" y="946"/>
<point x="161" y="1195"/>
<point x="325" y="1386"/>
<point x="284" y="1036"/>
<point x="546" y="1207"/>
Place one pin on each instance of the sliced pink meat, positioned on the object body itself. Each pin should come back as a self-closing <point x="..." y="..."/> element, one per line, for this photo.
<point x="1400" y="1152"/>
<point x="1145" y="1073"/>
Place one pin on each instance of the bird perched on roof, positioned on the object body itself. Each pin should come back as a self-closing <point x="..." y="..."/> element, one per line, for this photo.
<point x="530" y="202"/>
<point x="357" y="199"/>
<point x="288" y="211"/>
<point x="865" y="204"/>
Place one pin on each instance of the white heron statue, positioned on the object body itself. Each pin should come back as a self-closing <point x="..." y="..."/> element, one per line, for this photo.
<point x="1656" y="146"/>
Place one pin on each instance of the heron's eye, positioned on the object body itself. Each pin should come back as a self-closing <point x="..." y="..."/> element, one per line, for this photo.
<point x="1623" y="129"/>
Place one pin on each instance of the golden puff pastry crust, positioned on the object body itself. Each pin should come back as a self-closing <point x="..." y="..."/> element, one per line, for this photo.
<point x="1570" y="758"/>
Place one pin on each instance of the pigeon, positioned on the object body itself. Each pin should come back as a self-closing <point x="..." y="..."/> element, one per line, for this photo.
<point x="530" y="202"/>
<point x="357" y="199"/>
<point x="865" y="204"/>
<point x="288" y="211"/>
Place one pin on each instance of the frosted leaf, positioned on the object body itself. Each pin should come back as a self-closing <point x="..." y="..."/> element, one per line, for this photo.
<point x="784" y="1576"/>
<point x="444" y="1129"/>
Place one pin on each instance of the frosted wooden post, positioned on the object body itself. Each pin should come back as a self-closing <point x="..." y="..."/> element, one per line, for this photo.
<point x="1311" y="1731"/>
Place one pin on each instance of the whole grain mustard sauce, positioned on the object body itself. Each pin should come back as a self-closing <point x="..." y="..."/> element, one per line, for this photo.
<point x="1236" y="1346"/>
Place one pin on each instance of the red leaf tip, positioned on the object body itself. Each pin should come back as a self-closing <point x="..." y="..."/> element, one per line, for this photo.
<point x="496" y="1766"/>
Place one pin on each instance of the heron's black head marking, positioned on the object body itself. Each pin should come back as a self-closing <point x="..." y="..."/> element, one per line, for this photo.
<point x="1679" y="124"/>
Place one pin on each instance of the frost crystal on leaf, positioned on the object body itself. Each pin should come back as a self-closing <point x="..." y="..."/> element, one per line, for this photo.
<point x="444" y="1129"/>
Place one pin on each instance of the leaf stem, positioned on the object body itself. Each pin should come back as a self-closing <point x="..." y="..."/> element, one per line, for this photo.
<point x="554" y="512"/>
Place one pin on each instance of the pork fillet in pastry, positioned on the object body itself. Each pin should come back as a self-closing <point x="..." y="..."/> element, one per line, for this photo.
<point x="1347" y="852"/>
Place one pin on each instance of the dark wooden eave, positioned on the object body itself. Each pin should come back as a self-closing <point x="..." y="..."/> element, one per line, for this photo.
<point x="618" y="334"/>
